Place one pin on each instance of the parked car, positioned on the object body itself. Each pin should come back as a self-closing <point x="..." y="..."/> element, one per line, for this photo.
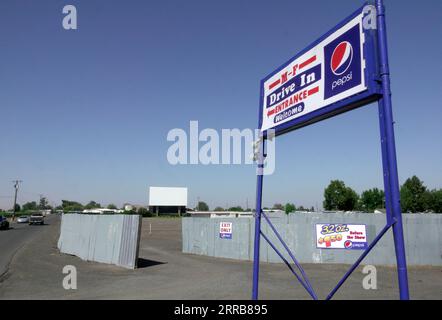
<point x="4" y="223"/>
<point x="37" y="218"/>
<point x="23" y="219"/>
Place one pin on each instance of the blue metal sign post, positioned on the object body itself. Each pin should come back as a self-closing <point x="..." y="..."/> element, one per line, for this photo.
<point x="378" y="89"/>
<point x="393" y="204"/>
<point x="258" y="218"/>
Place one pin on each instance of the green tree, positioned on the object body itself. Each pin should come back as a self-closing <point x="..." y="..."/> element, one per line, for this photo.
<point x="202" y="206"/>
<point x="436" y="201"/>
<point x="289" y="207"/>
<point x="30" y="206"/>
<point x="71" y="206"/>
<point x="414" y="196"/>
<point x="339" y="197"/>
<point x="112" y="206"/>
<point x="219" y="209"/>
<point x="372" y="199"/>
<point x="278" y="206"/>
<point x="236" y="209"/>
<point x="144" y="212"/>
<point x="92" y="205"/>
<point x="43" y="204"/>
<point x="17" y="208"/>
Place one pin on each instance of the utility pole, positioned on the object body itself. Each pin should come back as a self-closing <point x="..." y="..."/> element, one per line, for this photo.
<point x="41" y="197"/>
<point x="16" y="186"/>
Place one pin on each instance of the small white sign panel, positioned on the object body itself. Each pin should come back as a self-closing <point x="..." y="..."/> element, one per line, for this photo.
<point x="225" y="230"/>
<point x="341" y="236"/>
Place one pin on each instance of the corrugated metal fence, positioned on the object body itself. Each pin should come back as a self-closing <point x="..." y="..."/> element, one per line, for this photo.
<point x="112" y="239"/>
<point x="423" y="238"/>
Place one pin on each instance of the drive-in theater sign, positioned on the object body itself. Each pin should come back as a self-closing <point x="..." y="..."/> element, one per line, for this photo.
<point x="345" y="69"/>
<point x="319" y="81"/>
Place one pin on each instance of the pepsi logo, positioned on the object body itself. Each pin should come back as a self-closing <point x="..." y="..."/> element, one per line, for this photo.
<point x="348" y="244"/>
<point x="341" y="58"/>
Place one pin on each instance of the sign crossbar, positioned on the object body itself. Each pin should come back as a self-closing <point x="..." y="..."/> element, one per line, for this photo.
<point x="356" y="264"/>
<point x="292" y="256"/>
<point x="309" y="290"/>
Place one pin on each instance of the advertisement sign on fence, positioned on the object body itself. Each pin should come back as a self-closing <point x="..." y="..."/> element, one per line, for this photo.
<point x="341" y="236"/>
<point x="328" y="72"/>
<point x="225" y="230"/>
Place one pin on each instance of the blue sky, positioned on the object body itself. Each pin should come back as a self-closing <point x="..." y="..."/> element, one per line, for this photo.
<point x="85" y="113"/>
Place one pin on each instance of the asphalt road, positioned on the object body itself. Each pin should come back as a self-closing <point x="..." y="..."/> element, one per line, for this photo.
<point x="166" y="273"/>
<point x="13" y="239"/>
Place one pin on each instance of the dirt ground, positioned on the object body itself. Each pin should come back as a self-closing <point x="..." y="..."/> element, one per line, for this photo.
<point x="164" y="272"/>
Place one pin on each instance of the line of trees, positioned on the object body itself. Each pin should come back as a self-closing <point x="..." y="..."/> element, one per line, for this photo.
<point x="288" y="208"/>
<point x="202" y="206"/>
<point x="43" y="204"/>
<point x="67" y="205"/>
<point x="415" y="197"/>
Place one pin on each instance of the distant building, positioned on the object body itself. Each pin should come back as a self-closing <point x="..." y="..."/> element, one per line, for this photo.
<point x="223" y="214"/>
<point x="102" y="211"/>
<point x="167" y="200"/>
<point x="128" y="207"/>
<point x="132" y="207"/>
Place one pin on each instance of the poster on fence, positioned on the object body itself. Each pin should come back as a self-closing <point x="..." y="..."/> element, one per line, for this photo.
<point x="225" y="230"/>
<point x="341" y="236"/>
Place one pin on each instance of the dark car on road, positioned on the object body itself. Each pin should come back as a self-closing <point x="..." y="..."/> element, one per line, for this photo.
<point x="36" y="218"/>
<point x="4" y="223"/>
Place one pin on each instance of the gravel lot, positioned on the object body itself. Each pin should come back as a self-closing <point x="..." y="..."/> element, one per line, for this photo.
<point x="35" y="272"/>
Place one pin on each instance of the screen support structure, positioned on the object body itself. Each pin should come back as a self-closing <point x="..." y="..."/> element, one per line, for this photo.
<point x="390" y="177"/>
